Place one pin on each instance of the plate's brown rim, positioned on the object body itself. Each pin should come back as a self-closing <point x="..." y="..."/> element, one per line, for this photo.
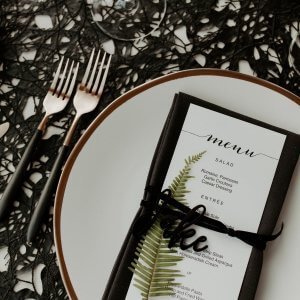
<point x="102" y="116"/>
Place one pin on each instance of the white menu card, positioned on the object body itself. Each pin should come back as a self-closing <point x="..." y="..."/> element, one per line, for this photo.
<point x="233" y="180"/>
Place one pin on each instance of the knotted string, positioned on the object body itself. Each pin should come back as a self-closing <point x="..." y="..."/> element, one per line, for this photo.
<point x="167" y="207"/>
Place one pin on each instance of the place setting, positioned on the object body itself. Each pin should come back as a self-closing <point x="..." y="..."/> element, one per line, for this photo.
<point x="147" y="155"/>
<point x="124" y="158"/>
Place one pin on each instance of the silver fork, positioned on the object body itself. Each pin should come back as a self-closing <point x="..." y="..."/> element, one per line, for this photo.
<point x="55" y="101"/>
<point x="86" y="99"/>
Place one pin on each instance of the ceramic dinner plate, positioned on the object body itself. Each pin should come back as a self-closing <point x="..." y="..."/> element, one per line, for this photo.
<point x="103" y="180"/>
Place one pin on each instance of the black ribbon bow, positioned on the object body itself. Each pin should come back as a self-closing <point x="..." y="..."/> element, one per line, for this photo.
<point x="168" y="208"/>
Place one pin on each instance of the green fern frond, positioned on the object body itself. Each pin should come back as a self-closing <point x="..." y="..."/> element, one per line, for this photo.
<point x="178" y="186"/>
<point x="154" y="267"/>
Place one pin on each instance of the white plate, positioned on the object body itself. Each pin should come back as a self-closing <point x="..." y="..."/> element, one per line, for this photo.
<point x="96" y="202"/>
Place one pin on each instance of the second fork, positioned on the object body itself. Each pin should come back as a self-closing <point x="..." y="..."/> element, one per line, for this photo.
<point x="85" y="100"/>
<point x="55" y="101"/>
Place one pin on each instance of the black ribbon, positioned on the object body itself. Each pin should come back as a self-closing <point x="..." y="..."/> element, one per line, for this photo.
<point x="169" y="208"/>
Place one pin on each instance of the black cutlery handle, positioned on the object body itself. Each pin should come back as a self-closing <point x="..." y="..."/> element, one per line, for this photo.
<point x="46" y="195"/>
<point x="17" y="178"/>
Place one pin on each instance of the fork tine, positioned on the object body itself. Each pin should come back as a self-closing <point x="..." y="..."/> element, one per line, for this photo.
<point x="87" y="70"/>
<point x="96" y="84"/>
<point x="54" y="82"/>
<point x="69" y="92"/>
<point x="89" y="86"/>
<point x="104" y="76"/>
<point x="58" y="89"/>
<point x="67" y="80"/>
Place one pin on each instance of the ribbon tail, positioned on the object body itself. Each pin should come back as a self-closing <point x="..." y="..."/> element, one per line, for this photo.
<point x="254" y="239"/>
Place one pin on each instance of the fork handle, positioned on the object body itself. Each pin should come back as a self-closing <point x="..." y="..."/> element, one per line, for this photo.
<point x="17" y="178"/>
<point x="46" y="195"/>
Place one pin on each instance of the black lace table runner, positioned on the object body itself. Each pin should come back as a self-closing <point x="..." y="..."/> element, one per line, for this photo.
<point x="247" y="36"/>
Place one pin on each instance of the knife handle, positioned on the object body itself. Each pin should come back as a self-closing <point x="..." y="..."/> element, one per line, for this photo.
<point x="46" y="195"/>
<point x="17" y="178"/>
